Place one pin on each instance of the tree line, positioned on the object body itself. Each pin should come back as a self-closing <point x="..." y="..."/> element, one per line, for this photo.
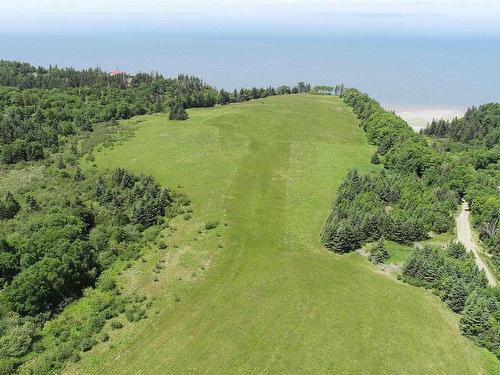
<point x="444" y="167"/>
<point x="418" y="192"/>
<point x="39" y="106"/>
<point x="417" y="204"/>
<point x="479" y="124"/>
<point x="453" y="275"/>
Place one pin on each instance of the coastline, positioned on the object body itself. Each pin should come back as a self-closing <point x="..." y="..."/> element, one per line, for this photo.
<point x="418" y="118"/>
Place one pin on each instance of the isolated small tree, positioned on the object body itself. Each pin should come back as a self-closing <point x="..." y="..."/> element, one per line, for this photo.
<point x="375" y="158"/>
<point x="177" y="112"/>
<point x="379" y="253"/>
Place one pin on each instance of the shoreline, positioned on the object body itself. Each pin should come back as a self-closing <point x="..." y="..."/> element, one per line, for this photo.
<point x="418" y="118"/>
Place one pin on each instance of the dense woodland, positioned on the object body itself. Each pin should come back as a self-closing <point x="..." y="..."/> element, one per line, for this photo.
<point x="417" y="193"/>
<point x="478" y="126"/>
<point x="399" y="208"/>
<point x="474" y="140"/>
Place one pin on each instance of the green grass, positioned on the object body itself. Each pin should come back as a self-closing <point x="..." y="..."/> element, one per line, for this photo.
<point x="397" y="253"/>
<point x="259" y="293"/>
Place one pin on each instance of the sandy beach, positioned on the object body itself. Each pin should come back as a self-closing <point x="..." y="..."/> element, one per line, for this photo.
<point x="419" y="118"/>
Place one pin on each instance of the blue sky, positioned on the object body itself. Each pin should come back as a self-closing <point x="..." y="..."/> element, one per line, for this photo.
<point x="255" y="16"/>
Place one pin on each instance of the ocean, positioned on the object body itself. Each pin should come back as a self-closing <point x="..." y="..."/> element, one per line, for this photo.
<point x="405" y="73"/>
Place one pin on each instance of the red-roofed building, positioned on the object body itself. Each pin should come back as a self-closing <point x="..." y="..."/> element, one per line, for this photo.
<point x="116" y="72"/>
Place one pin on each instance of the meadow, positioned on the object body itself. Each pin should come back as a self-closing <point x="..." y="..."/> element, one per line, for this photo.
<point x="255" y="291"/>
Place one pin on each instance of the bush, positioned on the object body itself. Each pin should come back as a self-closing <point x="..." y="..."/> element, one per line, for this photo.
<point x="104" y="337"/>
<point x="9" y="206"/>
<point x="75" y="357"/>
<point x="211" y="225"/>
<point x="87" y="343"/>
<point x="135" y="313"/>
<point x="116" y="324"/>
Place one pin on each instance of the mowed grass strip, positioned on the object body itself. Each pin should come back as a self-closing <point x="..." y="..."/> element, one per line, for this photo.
<point x="273" y="300"/>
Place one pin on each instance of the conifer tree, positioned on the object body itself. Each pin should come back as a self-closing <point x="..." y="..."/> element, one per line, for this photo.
<point x="79" y="175"/>
<point x="475" y="322"/>
<point x="379" y="253"/>
<point x="177" y="112"/>
<point x="457" y="296"/>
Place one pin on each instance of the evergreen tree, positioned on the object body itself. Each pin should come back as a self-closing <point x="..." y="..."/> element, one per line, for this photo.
<point x="379" y="253"/>
<point x="476" y="320"/>
<point x="101" y="190"/>
<point x="457" y="250"/>
<point x="344" y="238"/>
<point x="457" y="296"/>
<point x="177" y="112"/>
<point x="158" y="106"/>
<point x="78" y="174"/>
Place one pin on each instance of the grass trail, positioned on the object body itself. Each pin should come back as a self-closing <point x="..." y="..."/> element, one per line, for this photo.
<point x="273" y="300"/>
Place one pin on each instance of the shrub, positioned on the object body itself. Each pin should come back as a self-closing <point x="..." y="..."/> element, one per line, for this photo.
<point x="87" y="343"/>
<point x="116" y="324"/>
<point x="135" y="313"/>
<point x="211" y="225"/>
<point x="9" y="206"/>
<point x="75" y="357"/>
<point x="379" y="253"/>
<point x="104" y="337"/>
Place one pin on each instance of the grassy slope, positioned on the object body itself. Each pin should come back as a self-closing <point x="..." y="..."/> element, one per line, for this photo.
<point x="273" y="300"/>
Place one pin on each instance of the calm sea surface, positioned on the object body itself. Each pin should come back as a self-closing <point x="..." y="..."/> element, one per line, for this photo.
<point x="401" y="72"/>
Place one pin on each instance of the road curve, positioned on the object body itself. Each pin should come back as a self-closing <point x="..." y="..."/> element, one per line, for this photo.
<point x="464" y="235"/>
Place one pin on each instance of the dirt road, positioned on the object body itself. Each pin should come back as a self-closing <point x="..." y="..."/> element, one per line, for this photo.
<point x="464" y="235"/>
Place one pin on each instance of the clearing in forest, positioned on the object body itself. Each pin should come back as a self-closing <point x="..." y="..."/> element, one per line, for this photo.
<point x="273" y="300"/>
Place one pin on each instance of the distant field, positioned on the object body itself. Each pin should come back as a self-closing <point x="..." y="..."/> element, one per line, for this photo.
<point x="270" y="298"/>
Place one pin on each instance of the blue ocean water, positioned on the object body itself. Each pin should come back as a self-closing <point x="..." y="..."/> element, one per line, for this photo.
<point x="400" y="71"/>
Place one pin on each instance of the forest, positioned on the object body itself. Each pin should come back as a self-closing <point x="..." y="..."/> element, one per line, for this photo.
<point x="474" y="140"/>
<point x="417" y="193"/>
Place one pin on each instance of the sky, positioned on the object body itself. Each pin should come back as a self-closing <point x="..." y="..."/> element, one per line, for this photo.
<point x="251" y="16"/>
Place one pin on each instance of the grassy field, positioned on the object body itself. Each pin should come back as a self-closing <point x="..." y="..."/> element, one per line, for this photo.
<point x="259" y="294"/>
